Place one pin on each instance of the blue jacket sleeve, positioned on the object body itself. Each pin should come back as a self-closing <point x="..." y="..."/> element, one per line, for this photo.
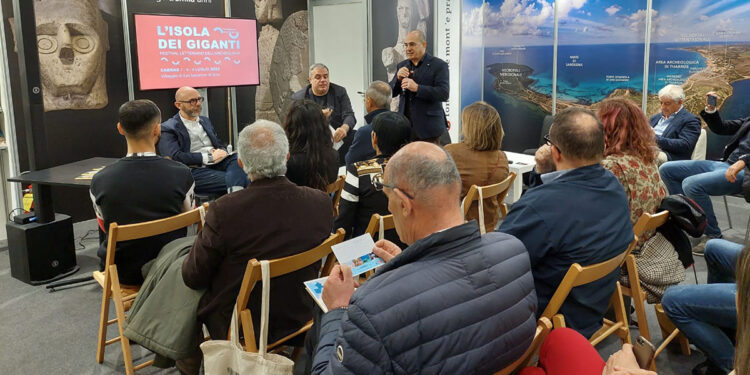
<point x="169" y="146"/>
<point x="526" y="224"/>
<point x="362" y="349"/>
<point x="715" y="123"/>
<point x="686" y="139"/>
<point x="441" y="89"/>
<point x="361" y="148"/>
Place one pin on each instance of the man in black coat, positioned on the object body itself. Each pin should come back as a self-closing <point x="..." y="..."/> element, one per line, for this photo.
<point x="335" y="103"/>
<point x="422" y="81"/>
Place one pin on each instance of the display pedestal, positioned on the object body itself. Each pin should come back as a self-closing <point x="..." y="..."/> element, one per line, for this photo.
<point x="42" y="252"/>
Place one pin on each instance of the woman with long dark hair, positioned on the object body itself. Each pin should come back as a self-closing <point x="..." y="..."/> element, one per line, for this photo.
<point x="313" y="162"/>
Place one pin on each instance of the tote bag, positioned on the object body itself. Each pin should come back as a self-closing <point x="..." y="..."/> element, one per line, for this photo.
<point x="221" y="357"/>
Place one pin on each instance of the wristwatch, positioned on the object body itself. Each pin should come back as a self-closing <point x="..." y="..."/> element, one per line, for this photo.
<point x="210" y="158"/>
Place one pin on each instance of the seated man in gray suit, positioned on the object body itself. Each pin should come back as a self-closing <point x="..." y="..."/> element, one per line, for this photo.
<point x="676" y="129"/>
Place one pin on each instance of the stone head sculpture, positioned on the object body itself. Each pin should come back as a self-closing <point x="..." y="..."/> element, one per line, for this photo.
<point x="72" y="39"/>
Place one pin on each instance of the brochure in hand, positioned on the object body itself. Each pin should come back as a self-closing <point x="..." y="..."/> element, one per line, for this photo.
<point x="356" y="253"/>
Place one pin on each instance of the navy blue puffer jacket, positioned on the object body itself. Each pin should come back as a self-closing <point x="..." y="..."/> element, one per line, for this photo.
<point x="453" y="303"/>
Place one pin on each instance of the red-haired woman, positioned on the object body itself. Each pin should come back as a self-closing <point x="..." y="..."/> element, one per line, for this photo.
<point x="630" y="154"/>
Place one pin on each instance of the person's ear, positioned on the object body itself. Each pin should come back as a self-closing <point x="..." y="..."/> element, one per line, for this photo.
<point x="556" y="154"/>
<point x="156" y="131"/>
<point x="405" y="204"/>
<point x="373" y="139"/>
<point x="119" y="129"/>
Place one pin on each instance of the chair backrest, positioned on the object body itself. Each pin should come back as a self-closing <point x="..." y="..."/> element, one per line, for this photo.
<point x="499" y="190"/>
<point x="336" y="188"/>
<point x="647" y="222"/>
<point x="279" y="267"/>
<point x="578" y="275"/>
<point x="374" y="226"/>
<point x="543" y="327"/>
<point x="699" y="152"/>
<point x="118" y="233"/>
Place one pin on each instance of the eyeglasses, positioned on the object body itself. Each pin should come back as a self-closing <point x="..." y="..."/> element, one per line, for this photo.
<point x="549" y="142"/>
<point x="193" y="101"/>
<point x="377" y="182"/>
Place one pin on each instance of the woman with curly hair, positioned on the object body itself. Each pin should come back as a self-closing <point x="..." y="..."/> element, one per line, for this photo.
<point x="630" y="154"/>
<point x="313" y="162"/>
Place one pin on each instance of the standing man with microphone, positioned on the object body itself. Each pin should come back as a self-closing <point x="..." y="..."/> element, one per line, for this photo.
<point x="422" y="82"/>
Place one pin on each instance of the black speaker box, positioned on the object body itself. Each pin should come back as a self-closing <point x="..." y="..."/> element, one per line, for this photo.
<point x="42" y="253"/>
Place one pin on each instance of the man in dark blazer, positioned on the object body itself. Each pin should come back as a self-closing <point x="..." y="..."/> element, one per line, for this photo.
<point x="272" y="218"/>
<point x="191" y="139"/>
<point x="377" y="100"/>
<point x="422" y="81"/>
<point x="676" y="129"/>
<point x="335" y="103"/>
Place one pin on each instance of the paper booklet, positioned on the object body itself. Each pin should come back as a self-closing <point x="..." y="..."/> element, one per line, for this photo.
<point x="355" y="253"/>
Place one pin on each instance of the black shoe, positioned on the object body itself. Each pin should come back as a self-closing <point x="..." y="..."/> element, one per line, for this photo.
<point x="707" y="368"/>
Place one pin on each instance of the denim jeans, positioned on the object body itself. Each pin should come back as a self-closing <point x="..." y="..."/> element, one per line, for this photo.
<point x="215" y="179"/>
<point x="721" y="259"/>
<point x="703" y="312"/>
<point x="698" y="180"/>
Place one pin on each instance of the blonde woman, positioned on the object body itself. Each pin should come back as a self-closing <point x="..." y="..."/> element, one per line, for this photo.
<point x="479" y="158"/>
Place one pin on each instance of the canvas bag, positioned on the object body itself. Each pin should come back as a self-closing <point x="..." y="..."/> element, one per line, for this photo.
<point x="221" y="357"/>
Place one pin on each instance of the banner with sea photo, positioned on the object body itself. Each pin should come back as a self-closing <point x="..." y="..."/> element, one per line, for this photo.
<point x="600" y="52"/>
<point x="517" y="57"/>
<point x="703" y="47"/>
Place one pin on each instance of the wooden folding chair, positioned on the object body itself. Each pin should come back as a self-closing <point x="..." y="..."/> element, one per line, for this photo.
<point x="280" y="267"/>
<point x="577" y="276"/>
<point x="122" y="295"/>
<point x="543" y="327"/>
<point x="644" y="224"/>
<point x="669" y="332"/>
<point x="336" y="188"/>
<point x="480" y="193"/>
<point x="378" y="225"/>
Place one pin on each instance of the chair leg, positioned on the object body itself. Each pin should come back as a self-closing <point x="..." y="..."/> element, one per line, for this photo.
<point x="638" y="296"/>
<point x="127" y="356"/>
<point x="619" y="306"/>
<point x="726" y="206"/>
<point x="103" y="318"/>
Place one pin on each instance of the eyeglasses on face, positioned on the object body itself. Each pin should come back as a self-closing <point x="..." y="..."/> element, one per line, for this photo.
<point x="193" y="101"/>
<point x="377" y="182"/>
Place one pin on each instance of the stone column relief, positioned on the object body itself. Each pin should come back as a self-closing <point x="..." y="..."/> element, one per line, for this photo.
<point x="290" y="62"/>
<point x="268" y="14"/>
<point x="73" y="40"/>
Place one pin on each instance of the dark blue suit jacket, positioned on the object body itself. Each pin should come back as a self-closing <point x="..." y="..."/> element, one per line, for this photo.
<point x="581" y="217"/>
<point x="679" y="138"/>
<point x="426" y="112"/>
<point x="361" y="148"/>
<point x="175" y="140"/>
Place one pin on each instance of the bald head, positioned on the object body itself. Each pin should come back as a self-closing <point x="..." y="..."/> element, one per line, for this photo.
<point x="427" y="172"/>
<point x="185" y="92"/>
<point x="579" y="135"/>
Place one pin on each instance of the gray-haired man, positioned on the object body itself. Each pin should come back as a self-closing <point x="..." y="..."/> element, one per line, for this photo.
<point x="271" y="218"/>
<point x="335" y="103"/>
<point x="377" y="100"/>
<point x="432" y="308"/>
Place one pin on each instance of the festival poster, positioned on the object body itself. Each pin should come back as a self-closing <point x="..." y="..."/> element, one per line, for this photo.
<point x="703" y="45"/>
<point x="600" y="51"/>
<point x="517" y="66"/>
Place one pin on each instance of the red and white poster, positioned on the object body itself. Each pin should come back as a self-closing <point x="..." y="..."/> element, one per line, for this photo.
<point x="175" y="51"/>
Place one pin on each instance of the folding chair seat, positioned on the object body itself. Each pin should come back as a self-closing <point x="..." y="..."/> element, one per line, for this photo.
<point x="122" y="296"/>
<point x="280" y="267"/>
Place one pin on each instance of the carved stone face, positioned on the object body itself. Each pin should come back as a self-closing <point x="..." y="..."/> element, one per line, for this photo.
<point x="267" y="11"/>
<point x="403" y="13"/>
<point x="72" y="41"/>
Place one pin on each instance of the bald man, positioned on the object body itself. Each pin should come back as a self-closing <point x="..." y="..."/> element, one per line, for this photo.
<point x="453" y="302"/>
<point x="191" y="139"/>
<point x="579" y="215"/>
